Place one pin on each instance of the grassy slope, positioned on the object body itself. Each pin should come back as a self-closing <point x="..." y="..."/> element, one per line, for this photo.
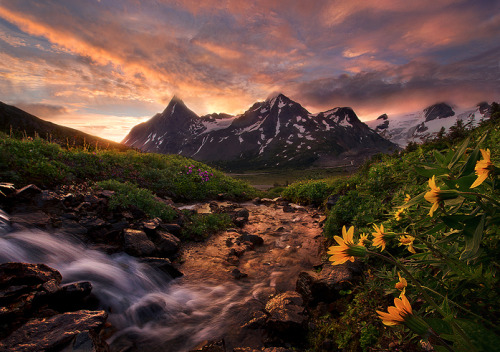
<point x="48" y="165"/>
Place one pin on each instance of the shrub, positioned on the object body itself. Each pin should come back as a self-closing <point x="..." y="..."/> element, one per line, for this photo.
<point x="127" y="195"/>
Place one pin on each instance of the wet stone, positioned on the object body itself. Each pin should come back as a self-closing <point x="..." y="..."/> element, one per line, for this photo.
<point x="137" y="243"/>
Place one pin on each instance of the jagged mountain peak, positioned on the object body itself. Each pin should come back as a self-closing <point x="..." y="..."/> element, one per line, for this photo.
<point x="438" y="111"/>
<point x="277" y="131"/>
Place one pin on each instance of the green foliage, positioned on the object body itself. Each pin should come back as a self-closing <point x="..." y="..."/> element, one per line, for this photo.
<point x="47" y="164"/>
<point x="201" y="226"/>
<point x="357" y="328"/>
<point x="128" y="195"/>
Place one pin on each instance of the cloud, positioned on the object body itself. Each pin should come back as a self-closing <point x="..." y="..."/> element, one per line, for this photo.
<point x="128" y="58"/>
<point x="42" y="110"/>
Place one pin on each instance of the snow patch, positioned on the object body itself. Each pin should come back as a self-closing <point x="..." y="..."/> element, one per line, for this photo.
<point x="300" y="128"/>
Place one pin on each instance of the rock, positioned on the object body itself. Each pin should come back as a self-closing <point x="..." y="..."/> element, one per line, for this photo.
<point x="258" y="321"/>
<point x="267" y="201"/>
<point x="288" y="209"/>
<point x="90" y="198"/>
<point x="137" y="243"/>
<point x="24" y="288"/>
<point x="106" y="194"/>
<point x="74" y="331"/>
<point x="164" y="265"/>
<point x="239" y="221"/>
<point x="325" y="285"/>
<point x="242" y="212"/>
<point x="256" y="201"/>
<point x="166" y="243"/>
<point x="18" y="274"/>
<point x="150" y="226"/>
<point x="35" y="218"/>
<point x="285" y="310"/>
<point x="92" y="222"/>
<point x="71" y="227"/>
<point x="238" y="274"/>
<point x="174" y="229"/>
<point x="84" y="206"/>
<point x="210" y="346"/>
<point x="254" y="239"/>
<point x="7" y="189"/>
<point x="71" y="296"/>
<point x="27" y="193"/>
<point x="285" y="318"/>
<point x="332" y="200"/>
<point x="48" y="200"/>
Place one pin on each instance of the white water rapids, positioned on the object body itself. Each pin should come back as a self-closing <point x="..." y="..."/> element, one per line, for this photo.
<point x="149" y="310"/>
<point x="152" y="312"/>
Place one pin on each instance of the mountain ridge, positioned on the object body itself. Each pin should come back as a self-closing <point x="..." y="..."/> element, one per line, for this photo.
<point x="275" y="132"/>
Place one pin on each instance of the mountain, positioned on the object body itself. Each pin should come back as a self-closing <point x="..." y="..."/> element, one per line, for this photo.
<point x="422" y="125"/>
<point x="20" y="123"/>
<point x="275" y="132"/>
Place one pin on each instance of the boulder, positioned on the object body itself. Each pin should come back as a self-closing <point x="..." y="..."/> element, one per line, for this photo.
<point x="27" y="193"/>
<point x="35" y="218"/>
<point x="254" y="239"/>
<point x="137" y="243"/>
<point x="74" y="331"/>
<point x="166" y="243"/>
<point x="285" y="310"/>
<point x="237" y="274"/>
<point x="174" y="229"/>
<point x="326" y="285"/>
<point x="164" y="265"/>
<point x="285" y="319"/>
<point x="288" y="209"/>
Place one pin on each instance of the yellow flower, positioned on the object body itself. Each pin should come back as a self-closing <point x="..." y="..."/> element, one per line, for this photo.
<point x="363" y="240"/>
<point x="397" y="215"/>
<point x="398" y="313"/>
<point x="407" y="240"/>
<point x="407" y="198"/>
<point x="401" y="285"/>
<point x="346" y="249"/>
<point x="401" y="313"/>
<point x="380" y="237"/>
<point x="482" y="168"/>
<point x="433" y="195"/>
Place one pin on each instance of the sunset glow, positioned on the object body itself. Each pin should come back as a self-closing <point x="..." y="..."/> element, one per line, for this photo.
<point x="105" y="66"/>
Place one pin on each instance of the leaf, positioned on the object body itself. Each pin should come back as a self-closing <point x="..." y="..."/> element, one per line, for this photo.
<point x="439" y="325"/>
<point x="454" y="221"/>
<point x="459" y="153"/>
<point x="440" y="158"/>
<point x="472" y="242"/>
<point x="429" y="172"/>
<point x="415" y="200"/>
<point x="470" y="164"/>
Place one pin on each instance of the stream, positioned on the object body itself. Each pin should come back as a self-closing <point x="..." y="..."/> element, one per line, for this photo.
<point x="152" y="312"/>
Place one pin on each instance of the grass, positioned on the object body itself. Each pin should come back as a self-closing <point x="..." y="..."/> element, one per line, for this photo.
<point x="25" y="161"/>
<point x="266" y="180"/>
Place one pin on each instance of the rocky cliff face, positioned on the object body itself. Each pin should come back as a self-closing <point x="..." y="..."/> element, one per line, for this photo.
<point x="275" y="132"/>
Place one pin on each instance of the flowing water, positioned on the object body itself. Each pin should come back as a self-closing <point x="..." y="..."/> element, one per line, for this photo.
<point x="152" y="312"/>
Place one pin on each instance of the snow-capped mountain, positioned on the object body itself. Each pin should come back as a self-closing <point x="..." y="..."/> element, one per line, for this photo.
<point x="422" y="125"/>
<point x="275" y="132"/>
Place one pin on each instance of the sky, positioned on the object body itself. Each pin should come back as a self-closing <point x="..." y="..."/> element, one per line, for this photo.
<point x="103" y="66"/>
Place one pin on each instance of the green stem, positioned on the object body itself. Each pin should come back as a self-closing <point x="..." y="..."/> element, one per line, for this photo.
<point x="481" y="196"/>
<point x="428" y="298"/>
